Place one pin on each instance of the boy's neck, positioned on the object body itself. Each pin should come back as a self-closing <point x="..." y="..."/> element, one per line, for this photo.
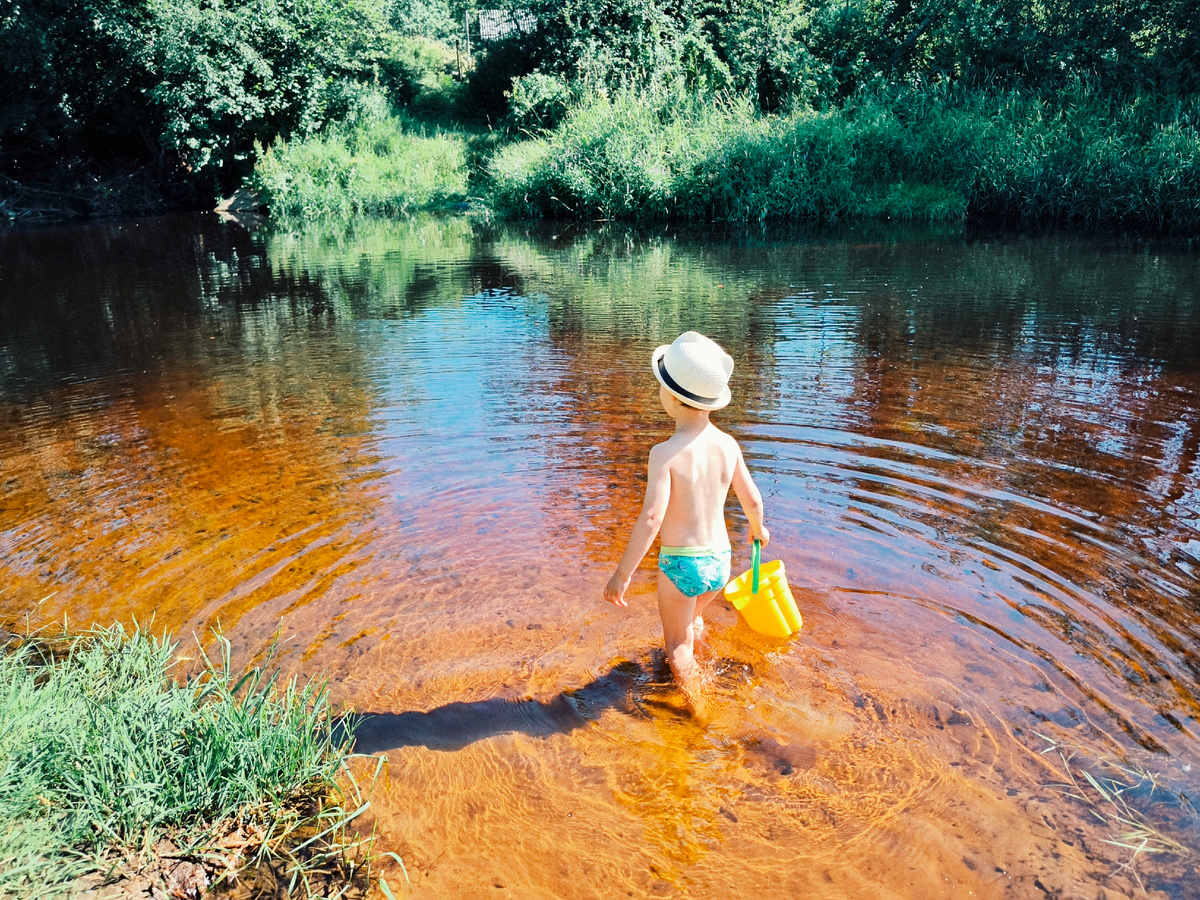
<point x="691" y="420"/>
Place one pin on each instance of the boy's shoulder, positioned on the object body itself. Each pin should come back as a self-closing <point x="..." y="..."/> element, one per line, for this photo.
<point x="675" y="443"/>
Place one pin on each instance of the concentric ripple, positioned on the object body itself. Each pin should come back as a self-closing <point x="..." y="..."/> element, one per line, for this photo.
<point x="408" y="455"/>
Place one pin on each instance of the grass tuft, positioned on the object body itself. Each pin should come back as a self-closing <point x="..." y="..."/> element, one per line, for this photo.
<point x="1108" y="797"/>
<point x="108" y="763"/>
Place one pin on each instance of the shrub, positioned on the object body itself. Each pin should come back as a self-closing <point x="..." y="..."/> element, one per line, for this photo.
<point x="414" y="65"/>
<point x="935" y="154"/>
<point x="372" y="166"/>
<point x="538" y="102"/>
<point x="424" y="18"/>
<point x="225" y="76"/>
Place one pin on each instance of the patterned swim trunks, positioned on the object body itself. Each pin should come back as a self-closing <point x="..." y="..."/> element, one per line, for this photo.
<point x="695" y="570"/>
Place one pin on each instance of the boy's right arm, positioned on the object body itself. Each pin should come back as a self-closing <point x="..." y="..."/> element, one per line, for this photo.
<point x="750" y="498"/>
<point x="645" y="529"/>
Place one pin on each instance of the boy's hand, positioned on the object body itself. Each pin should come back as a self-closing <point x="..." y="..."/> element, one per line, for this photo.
<point x="763" y="535"/>
<point x="614" y="591"/>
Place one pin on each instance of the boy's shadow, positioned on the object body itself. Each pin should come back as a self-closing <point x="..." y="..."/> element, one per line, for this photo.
<point x="456" y="725"/>
<point x="628" y="687"/>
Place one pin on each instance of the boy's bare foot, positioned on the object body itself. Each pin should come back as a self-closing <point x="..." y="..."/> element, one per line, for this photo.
<point x="694" y="698"/>
<point x="696" y="689"/>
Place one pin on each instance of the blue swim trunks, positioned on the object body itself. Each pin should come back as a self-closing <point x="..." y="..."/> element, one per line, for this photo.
<point x="695" y="570"/>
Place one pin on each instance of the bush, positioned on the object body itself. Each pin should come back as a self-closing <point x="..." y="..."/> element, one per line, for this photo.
<point x="933" y="154"/>
<point x="69" y="74"/>
<point x="414" y="65"/>
<point x="538" y="102"/>
<point x="197" y="79"/>
<point x="424" y="18"/>
<point x="608" y="160"/>
<point x="1091" y="159"/>
<point x="372" y="165"/>
<point x="226" y="76"/>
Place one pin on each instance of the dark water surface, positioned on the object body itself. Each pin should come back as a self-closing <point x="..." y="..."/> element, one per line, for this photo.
<point x="414" y="451"/>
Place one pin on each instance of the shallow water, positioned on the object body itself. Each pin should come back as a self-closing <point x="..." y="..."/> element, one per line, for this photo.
<point x="412" y="453"/>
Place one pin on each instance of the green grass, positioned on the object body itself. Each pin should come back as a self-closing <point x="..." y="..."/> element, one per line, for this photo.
<point x="930" y="154"/>
<point x="376" y="165"/>
<point x="105" y="749"/>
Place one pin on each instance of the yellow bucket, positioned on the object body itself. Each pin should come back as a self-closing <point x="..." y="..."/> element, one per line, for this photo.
<point x="764" y="599"/>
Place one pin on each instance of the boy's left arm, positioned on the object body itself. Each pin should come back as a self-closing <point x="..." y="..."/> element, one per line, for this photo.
<point x="751" y="499"/>
<point x="645" y="529"/>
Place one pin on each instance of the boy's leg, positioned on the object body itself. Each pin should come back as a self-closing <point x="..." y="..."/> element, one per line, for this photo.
<point x="678" y="613"/>
<point x="699" y="629"/>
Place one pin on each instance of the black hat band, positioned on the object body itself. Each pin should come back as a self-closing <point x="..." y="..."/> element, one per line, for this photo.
<point x="670" y="383"/>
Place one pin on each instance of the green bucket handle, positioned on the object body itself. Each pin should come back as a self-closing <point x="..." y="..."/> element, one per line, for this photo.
<point x="755" y="556"/>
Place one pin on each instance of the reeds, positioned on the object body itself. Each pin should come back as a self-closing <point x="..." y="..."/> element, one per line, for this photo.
<point x="1106" y="796"/>
<point x="104" y="757"/>
<point x="930" y="153"/>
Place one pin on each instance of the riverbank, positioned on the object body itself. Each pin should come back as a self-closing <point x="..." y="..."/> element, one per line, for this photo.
<point x="119" y="772"/>
<point x="944" y="155"/>
<point x="939" y="155"/>
<point x="639" y="111"/>
<point x="36" y="189"/>
<point x="948" y="155"/>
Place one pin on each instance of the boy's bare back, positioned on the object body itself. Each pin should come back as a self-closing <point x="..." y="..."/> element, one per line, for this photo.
<point x="689" y="477"/>
<point x="698" y="469"/>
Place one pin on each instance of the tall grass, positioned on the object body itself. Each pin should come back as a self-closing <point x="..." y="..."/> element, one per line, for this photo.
<point x="102" y="753"/>
<point x="369" y="164"/>
<point x="1113" y="796"/>
<point x="934" y="153"/>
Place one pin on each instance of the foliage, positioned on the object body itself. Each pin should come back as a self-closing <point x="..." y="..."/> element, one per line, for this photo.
<point x="614" y="159"/>
<point x="899" y="153"/>
<point x="228" y="75"/>
<point x="371" y="165"/>
<point x="101" y="752"/>
<point x="193" y="86"/>
<point x="67" y="73"/>
<point x="780" y="52"/>
<point x="413" y="66"/>
<point x="624" y="43"/>
<point x="203" y="79"/>
<point x="425" y="18"/>
<point x="766" y="46"/>
<point x="1089" y="158"/>
<point x="538" y="102"/>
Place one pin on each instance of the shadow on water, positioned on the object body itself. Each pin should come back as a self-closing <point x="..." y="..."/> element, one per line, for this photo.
<point x="637" y="690"/>
<point x="457" y="725"/>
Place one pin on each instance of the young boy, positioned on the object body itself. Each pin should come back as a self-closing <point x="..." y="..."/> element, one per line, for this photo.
<point x="689" y="478"/>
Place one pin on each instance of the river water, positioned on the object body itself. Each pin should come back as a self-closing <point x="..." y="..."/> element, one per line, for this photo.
<point x="410" y="452"/>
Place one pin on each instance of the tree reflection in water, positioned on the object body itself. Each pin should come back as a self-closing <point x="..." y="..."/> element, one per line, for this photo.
<point x="408" y="453"/>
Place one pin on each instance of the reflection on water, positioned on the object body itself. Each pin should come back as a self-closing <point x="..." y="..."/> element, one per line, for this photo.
<point x="413" y="451"/>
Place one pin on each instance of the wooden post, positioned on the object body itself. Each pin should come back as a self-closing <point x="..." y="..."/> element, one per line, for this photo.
<point x="467" y="30"/>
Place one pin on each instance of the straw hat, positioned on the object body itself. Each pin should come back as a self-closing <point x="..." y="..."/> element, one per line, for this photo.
<point x="695" y="370"/>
